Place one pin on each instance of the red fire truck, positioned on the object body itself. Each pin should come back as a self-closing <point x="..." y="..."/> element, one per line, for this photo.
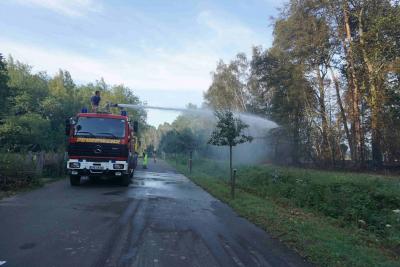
<point x="101" y="145"/>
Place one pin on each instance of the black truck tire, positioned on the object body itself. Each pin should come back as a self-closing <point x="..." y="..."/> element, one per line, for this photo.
<point x="126" y="180"/>
<point x="74" y="180"/>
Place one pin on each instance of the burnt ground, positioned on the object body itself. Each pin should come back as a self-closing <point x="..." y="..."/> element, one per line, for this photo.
<point x="161" y="219"/>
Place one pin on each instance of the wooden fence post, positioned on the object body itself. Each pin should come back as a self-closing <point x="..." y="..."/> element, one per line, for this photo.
<point x="39" y="163"/>
<point x="233" y="184"/>
<point x="190" y="162"/>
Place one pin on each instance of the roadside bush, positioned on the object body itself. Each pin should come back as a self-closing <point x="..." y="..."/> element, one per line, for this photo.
<point x="28" y="131"/>
<point x="368" y="201"/>
<point x="11" y="163"/>
<point x="18" y="170"/>
<point x="53" y="164"/>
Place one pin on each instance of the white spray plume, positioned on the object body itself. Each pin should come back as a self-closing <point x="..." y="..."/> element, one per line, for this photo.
<point x="256" y="123"/>
<point x="256" y="151"/>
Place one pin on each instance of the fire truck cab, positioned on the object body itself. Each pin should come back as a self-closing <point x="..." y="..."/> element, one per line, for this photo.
<point x="101" y="145"/>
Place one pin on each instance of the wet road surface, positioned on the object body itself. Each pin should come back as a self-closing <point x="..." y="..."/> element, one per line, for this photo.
<point x="161" y="219"/>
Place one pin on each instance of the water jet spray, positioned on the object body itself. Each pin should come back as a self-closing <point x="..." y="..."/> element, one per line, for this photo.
<point x="245" y="153"/>
<point x="256" y="123"/>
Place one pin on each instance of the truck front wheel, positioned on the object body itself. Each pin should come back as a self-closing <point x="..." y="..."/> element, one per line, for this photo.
<point x="74" y="180"/>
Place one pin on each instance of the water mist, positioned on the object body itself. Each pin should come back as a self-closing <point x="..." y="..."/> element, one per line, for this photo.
<point x="256" y="151"/>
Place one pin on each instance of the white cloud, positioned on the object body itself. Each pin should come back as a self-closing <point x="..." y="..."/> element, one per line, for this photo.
<point x="156" y="70"/>
<point x="72" y="8"/>
<point x="186" y="67"/>
<point x="229" y="33"/>
<point x="224" y="26"/>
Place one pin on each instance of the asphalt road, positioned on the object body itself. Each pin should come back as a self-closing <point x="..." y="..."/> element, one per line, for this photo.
<point x="161" y="219"/>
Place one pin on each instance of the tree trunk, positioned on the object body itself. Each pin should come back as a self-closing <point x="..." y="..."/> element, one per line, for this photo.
<point x="374" y="99"/>
<point x="296" y="148"/>
<point x="354" y="89"/>
<point x="342" y="111"/>
<point x="326" y="144"/>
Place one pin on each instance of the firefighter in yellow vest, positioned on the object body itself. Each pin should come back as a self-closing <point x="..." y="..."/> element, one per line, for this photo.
<point x="144" y="160"/>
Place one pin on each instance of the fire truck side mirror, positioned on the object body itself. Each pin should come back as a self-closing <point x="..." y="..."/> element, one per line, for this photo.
<point x="67" y="126"/>
<point x="135" y="126"/>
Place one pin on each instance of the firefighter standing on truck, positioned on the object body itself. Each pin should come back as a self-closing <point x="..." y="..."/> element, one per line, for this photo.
<point x="95" y="100"/>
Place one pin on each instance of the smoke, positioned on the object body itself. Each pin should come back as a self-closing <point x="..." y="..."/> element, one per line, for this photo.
<point x="256" y="151"/>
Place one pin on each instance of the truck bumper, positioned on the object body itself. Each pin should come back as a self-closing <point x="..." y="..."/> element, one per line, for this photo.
<point x="92" y="168"/>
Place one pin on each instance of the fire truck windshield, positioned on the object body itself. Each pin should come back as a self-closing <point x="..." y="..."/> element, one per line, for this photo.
<point x="100" y="127"/>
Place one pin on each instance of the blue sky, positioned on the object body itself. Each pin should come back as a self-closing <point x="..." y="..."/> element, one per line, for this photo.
<point x="163" y="50"/>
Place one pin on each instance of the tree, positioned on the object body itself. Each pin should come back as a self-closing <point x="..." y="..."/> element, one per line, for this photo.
<point x="228" y="89"/>
<point x="25" y="132"/>
<point x="347" y="53"/>
<point x="228" y="132"/>
<point x="34" y="106"/>
<point x="280" y="90"/>
<point x="304" y="34"/>
<point x="4" y="89"/>
<point x="378" y="31"/>
<point x="182" y="141"/>
<point x="169" y="142"/>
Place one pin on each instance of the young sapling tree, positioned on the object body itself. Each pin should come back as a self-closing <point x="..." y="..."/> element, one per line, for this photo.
<point x="229" y="132"/>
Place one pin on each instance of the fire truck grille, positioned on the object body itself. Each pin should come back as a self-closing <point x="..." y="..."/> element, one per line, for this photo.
<point x="97" y="150"/>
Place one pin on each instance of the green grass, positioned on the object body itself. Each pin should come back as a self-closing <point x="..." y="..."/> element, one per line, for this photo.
<point x="331" y="218"/>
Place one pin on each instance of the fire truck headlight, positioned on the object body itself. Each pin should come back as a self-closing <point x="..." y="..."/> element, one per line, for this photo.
<point x="74" y="165"/>
<point x="118" y="166"/>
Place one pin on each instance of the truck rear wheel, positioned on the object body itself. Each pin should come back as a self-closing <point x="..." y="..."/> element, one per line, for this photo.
<point x="74" y="180"/>
<point x="125" y="180"/>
